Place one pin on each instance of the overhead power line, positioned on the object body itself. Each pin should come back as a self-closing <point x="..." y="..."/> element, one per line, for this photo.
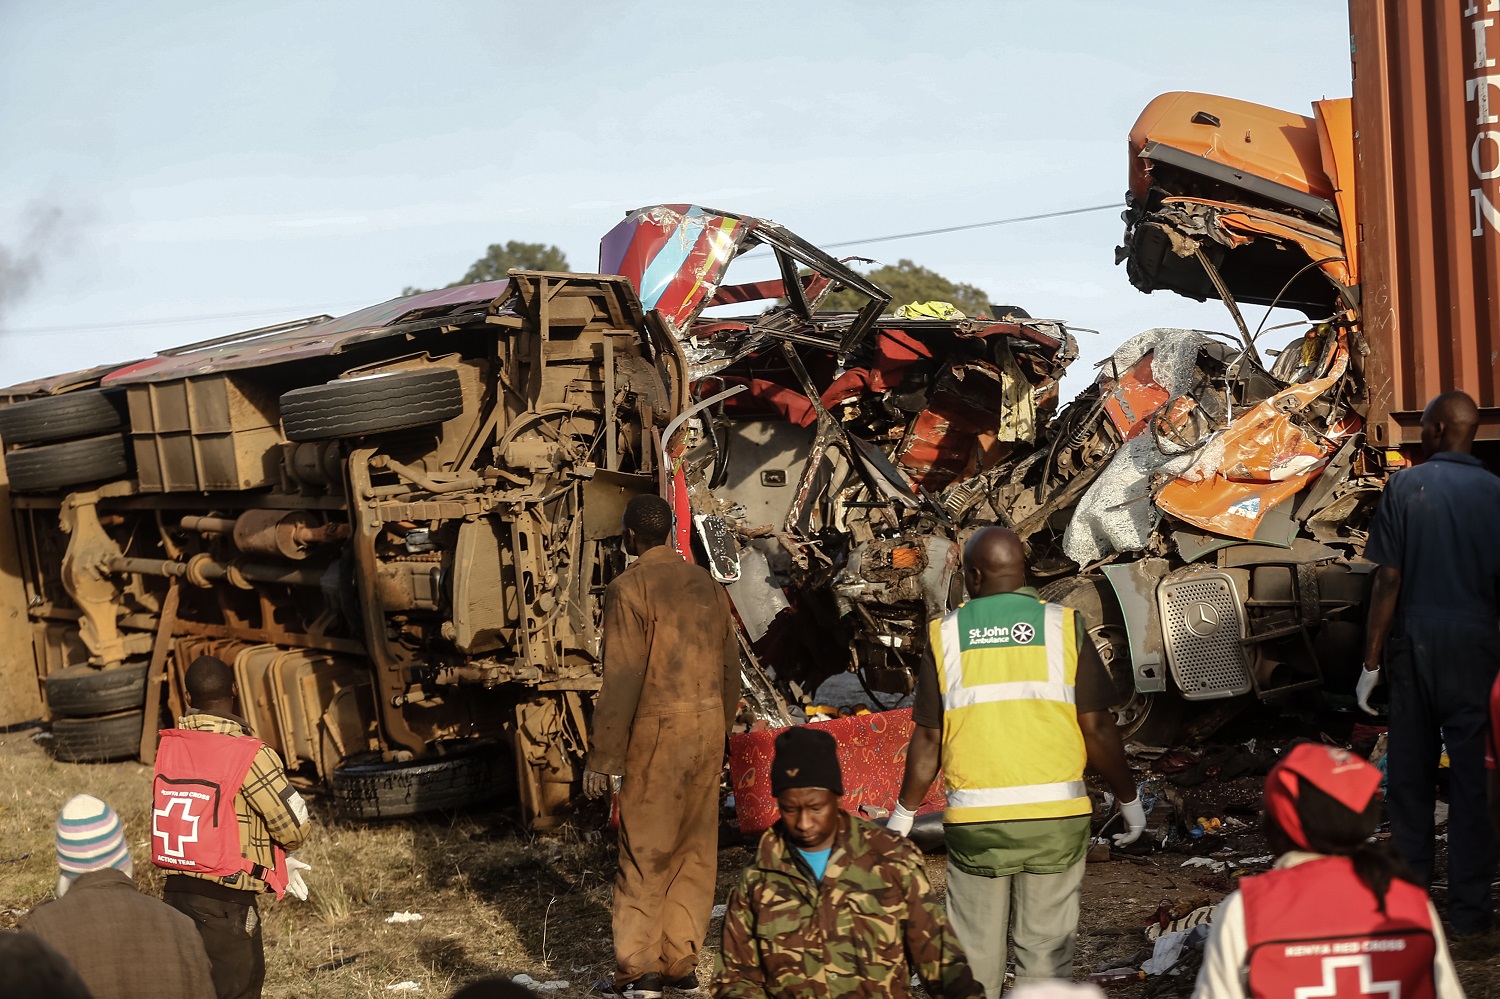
<point x="173" y="320"/>
<point x="126" y="324"/>
<point x="971" y="225"/>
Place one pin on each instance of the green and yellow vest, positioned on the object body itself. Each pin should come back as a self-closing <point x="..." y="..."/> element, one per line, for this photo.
<point x="1012" y="749"/>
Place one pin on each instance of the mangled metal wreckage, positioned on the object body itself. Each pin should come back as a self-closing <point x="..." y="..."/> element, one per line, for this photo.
<point x="397" y="526"/>
<point x="833" y="456"/>
<point x="1203" y="509"/>
<point x="1218" y="545"/>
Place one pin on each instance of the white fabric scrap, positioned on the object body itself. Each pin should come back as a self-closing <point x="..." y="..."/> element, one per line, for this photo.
<point x="1217" y="866"/>
<point x="404" y="987"/>
<point x="536" y="986"/>
<point x="404" y="917"/>
<point x="1168" y="949"/>
<point x="1116" y="513"/>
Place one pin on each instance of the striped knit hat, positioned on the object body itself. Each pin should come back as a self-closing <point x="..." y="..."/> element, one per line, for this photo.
<point x="90" y="838"/>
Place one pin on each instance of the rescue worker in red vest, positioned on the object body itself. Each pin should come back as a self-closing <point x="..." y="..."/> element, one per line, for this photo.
<point x="1339" y="915"/>
<point x="1013" y="701"/>
<point x="223" y="817"/>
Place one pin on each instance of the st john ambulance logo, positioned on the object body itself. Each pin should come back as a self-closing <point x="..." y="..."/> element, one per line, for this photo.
<point x="1022" y="633"/>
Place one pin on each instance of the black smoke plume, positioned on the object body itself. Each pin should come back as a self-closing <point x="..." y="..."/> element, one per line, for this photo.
<point x="23" y="254"/>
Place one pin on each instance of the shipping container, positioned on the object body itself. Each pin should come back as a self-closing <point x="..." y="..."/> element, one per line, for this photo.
<point x="1427" y="145"/>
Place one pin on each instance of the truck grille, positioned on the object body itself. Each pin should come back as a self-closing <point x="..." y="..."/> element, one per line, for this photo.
<point x="1202" y="620"/>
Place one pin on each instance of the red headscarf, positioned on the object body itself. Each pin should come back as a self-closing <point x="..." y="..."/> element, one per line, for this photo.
<point x="1338" y="773"/>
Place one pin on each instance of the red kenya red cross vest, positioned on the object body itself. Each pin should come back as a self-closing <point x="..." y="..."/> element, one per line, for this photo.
<point x="193" y="825"/>
<point x="1313" y="930"/>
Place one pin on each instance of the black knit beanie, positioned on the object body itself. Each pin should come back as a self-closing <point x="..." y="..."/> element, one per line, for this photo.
<point x="806" y="757"/>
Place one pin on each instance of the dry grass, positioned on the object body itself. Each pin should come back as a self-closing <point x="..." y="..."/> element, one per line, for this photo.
<point x="494" y="899"/>
<point x="33" y="789"/>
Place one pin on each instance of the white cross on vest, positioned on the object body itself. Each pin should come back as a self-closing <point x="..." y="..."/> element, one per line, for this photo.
<point x="1330" y="986"/>
<point x="186" y="826"/>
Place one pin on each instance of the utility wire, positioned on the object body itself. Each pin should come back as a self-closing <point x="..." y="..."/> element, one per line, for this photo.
<point x="964" y="228"/>
<point x="98" y="327"/>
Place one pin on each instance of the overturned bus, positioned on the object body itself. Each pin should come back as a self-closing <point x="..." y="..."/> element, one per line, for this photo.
<point x="397" y="525"/>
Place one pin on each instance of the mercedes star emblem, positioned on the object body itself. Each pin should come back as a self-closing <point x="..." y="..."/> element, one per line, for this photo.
<point x="1202" y="619"/>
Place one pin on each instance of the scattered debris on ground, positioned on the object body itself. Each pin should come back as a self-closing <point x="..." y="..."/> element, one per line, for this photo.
<point x="498" y="900"/>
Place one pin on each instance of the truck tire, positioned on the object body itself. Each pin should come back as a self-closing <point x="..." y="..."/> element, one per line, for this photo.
<point x="51" y="466"/>
<point x="97" y="740"/>
<point x="1150" y="719"/>
<point x="78" y="691"/>
<point x="60" y="417"/>
<point x="393" y="790"/>
<point x="371" y="404"/>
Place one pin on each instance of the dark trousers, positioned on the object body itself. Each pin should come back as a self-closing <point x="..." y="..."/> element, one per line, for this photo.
<point x="229" y="924"/>
<point x="1440" y="676"/>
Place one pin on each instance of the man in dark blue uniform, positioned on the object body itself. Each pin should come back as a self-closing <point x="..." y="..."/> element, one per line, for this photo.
<point x="1433" y="634"/>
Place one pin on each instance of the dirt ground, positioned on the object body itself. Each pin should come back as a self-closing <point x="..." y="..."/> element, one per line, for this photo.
<point x="497" y="900"/>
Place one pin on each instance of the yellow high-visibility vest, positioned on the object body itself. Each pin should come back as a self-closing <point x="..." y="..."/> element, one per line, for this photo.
<point x="1012" y="748"/>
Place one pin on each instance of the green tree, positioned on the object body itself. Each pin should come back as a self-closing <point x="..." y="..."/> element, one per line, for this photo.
<point x="498" y="261"/>
<point x="909" y="282"/>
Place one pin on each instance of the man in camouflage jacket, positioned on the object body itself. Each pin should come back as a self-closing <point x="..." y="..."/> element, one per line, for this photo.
<point x="854" y="918"/>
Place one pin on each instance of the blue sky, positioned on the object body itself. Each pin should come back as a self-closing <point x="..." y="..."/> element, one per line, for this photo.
<point x="260" y="162"/>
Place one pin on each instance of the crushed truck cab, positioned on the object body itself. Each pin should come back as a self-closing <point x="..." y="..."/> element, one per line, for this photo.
<point x="1214" y="538"/>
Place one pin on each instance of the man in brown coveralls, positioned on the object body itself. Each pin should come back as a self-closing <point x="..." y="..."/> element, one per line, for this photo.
<point x="671" y="691"/>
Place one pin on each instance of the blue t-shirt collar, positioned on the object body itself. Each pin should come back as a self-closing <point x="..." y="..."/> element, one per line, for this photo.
<point x="817" y="860"/>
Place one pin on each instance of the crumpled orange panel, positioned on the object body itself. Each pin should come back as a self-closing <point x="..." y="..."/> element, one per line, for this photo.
<point x="1134" y="398"/>
<point x="1240" y="224"/>
<point x="1266" y="459"/>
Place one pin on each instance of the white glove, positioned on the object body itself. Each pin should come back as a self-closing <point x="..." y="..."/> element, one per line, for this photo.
<point x="900" y="820"/>
<point x="295" y="886"/>
<point x="1368" y="678"/>
<point x="1135" y="821"/>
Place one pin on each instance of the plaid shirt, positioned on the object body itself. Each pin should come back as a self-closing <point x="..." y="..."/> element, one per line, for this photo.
<point x="269" y="809"/>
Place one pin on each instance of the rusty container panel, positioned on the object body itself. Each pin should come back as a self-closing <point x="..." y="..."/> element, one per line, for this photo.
<point x="1427" y="146"/>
